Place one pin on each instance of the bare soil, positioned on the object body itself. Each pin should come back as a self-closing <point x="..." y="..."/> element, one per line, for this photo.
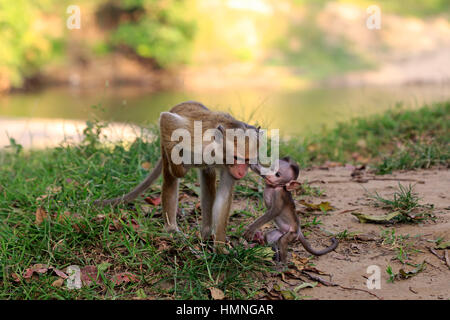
<point x="347" y="265"/>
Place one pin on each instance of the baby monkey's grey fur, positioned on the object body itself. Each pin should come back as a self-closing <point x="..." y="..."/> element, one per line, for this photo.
<point x="281" y="209"/>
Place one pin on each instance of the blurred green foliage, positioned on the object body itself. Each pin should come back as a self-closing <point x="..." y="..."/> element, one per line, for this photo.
<point x="25" y="46"/>
<point x="317" y="57"/>
<point x="33" y="33"/>
<point x="418" y="8"/>
<point x="163" y="31"/>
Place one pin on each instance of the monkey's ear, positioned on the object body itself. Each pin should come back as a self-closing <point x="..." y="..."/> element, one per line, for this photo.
<point x="293" y="185"/>
<point x="221" y="130"/>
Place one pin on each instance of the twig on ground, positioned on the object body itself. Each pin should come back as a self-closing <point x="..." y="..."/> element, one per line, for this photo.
<point x="435" y="253"/>
<point x="332" y="284"/>
<point x="395" y="179"/>
<point x="447" y="260"/>
<point x="348" y="210"/>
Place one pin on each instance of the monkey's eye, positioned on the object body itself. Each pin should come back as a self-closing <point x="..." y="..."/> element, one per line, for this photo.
<point x="278" y="174"/>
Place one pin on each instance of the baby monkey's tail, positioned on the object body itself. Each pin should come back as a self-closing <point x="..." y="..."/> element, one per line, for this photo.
<point x="308" y="247"/>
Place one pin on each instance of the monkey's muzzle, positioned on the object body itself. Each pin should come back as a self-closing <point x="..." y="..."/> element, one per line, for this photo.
<point x="238" y="171"/>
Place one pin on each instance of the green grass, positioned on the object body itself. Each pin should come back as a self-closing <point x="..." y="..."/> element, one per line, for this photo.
<point x="64" y="180"/>
<point x="406" y="201"/>
<point x="395" y="140"/>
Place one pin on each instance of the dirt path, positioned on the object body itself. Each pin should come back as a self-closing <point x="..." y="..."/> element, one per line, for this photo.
<point x="348" y="264"/>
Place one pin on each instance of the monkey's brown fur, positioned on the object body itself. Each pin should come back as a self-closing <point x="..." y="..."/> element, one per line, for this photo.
<point x="215" y="207"/>
<point x="281" y="209"/>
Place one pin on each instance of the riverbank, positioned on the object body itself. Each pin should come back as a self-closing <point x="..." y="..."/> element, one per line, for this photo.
<point x="47" y="219"/>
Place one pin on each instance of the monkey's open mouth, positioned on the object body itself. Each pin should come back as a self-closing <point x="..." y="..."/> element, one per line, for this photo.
<point x="238" y="171"/>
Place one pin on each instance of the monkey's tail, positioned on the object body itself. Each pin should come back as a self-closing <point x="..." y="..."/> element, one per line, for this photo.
<point x="307" y="246"/>
<point x="156" y="172"/>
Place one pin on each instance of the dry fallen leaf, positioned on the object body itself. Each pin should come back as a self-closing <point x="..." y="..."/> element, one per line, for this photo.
<point x="323" y="206"/>
<point x="42" y="268"/>
<point x="59" y="273"/>
<point x="146" y="165"/>
<point x="54" y="189"/>
<point x="364" y="218"/>
<point x="37" y="268"/>
<point x="216" y="293"/>
<point x="154" y="201"/>
<point x="41" y="215"/>
<point x="58" y="283"/>
<point x="89" y="274"/>
<point x="15" y="277"/>
<point x="299" y="262"/>
<point x="125" y="277"/>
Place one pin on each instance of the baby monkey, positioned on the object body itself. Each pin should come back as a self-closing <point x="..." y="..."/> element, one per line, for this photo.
<point x="281" y="209"/>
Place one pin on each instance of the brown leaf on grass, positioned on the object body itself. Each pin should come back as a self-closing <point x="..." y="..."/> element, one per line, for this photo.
<point x="116" y="225"/>
<point x="64" y="216"/>
<point x="42" y="268"/>
<point x="54" y="189"/>
<point x="15" y="277"/>
<point x="124" y="277"/>
<point x="216" y="293"/>
<point x="58" y="282"/>
<point x="146" y="165"/>
<point x="135" y="225"/>
<point x="59" y="273"/>
<point x="41" y="215"/>
<point x="99" y="217"/>
<point x="89" y="274"/>
<point x="299" y="263"/>
<point x="40" y="198"/>
<point x="37" y="268"/>
<point x="163" y="245"/>
<point x="154" y="201"/>
<point x="323" y="206"/>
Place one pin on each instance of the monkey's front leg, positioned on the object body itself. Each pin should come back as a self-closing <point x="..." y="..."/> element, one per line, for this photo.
<point x="169" y="197"/>
<point x="258" y="223"/>
<point x="207" y="196"/>
<point x="222" y="205"/>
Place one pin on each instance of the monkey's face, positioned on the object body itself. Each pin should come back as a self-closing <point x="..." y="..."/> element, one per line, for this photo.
<point x="240" y="148"/>
<point x="283" y="176"/>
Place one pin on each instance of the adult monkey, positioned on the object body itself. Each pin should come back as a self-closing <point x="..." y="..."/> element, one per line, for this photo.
<point x="215" y="207"/>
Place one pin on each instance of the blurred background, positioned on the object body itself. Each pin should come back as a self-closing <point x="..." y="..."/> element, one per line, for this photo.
<point x="296" y="65"/>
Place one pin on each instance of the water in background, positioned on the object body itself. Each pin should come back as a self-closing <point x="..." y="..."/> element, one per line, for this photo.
<point x="295" y="113"/>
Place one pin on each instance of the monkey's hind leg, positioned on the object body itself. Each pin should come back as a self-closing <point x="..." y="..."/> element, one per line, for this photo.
<point x="207" y="196"/>
<point x="283" y="243"/>
<point x="272" y="238"/>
